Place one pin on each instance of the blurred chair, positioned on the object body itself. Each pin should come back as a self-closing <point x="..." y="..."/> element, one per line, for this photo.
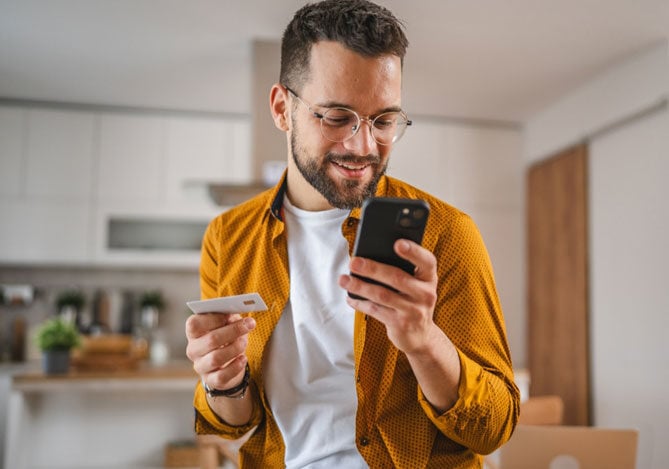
<point x="541" y="410"/>
<point x="546" y="447"/>
<point x="215" y="450"/>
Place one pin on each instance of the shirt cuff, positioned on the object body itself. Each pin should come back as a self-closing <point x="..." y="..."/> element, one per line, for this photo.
<point x="207" y="422"/>
<point x="470" y="409"/>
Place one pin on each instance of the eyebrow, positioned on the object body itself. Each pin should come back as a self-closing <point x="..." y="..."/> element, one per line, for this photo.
<point x="332" y="104"/>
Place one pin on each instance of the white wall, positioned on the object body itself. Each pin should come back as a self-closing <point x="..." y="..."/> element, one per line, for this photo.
<point x="629" y="304"/>
<point x="626" y="89"/>
<point x="628" y="135"/>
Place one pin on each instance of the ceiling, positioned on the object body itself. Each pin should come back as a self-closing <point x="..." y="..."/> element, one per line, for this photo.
<point x="483" y="59"/>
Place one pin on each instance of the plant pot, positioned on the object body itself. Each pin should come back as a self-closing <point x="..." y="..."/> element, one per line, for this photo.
<point x="55" y="362"/>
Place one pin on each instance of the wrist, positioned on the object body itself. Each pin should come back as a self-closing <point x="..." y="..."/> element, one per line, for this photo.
<point x="235" y="392"/>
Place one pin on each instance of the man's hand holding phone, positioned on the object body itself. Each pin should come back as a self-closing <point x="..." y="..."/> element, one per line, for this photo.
<point x="393" y="278"/>
<point x="407" y="307"/>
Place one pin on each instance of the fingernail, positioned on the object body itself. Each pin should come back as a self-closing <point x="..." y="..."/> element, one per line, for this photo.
<point x="402" y="245"/>
<point x="249" y="323"/>
<point x="357" y="263"/>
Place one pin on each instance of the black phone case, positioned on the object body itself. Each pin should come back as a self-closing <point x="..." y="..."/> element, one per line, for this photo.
<point x="383" y="221"/>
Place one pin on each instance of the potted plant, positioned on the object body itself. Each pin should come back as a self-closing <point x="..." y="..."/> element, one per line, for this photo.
<point x="69" y="304"/>
<point x="151" y="303"/>
<point x="56" y="338"/>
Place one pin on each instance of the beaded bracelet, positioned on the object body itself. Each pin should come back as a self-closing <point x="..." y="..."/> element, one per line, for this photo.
<point x="232" y="392"/>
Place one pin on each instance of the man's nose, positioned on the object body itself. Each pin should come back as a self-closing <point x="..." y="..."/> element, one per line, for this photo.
<point x="362" y="143"/>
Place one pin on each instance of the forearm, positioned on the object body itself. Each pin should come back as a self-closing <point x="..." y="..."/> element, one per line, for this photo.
<point x="485" y="412"/>
<point x="436" y="366"/>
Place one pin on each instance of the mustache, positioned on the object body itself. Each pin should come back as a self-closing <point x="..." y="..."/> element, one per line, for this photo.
<point x="348" y="158"/>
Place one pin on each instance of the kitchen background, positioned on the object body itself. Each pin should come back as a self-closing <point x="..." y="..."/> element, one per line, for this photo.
<point x="116" y="150"/>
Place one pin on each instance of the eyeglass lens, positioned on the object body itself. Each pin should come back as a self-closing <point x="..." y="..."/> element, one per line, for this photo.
<point x="340" y="124"/>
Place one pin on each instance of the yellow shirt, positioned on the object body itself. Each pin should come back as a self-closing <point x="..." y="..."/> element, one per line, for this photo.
<point x="244" y="250"/>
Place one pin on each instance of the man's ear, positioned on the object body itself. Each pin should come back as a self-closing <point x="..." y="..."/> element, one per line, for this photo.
<point x="278" y="104"/>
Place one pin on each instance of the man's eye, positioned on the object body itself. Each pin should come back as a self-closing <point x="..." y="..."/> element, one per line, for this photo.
<point x="385" y="121"/>
<point x="336" y="118"/>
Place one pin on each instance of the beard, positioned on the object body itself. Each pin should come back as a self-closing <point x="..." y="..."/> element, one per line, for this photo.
<point x="349" y="193"/>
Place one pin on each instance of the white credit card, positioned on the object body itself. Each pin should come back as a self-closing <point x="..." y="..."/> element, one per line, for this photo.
<point x="246" y="303"/>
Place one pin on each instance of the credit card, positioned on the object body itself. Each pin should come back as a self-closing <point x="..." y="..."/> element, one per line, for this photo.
<point x="246" y="303"/>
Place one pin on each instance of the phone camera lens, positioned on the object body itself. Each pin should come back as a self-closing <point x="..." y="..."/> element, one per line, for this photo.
<point x="405" y="222"/>
<point x="418" y="214"/>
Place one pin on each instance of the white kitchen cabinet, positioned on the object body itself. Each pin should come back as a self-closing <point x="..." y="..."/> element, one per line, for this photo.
<point x="59" y="153"/>
<point x="12" y="134"/>
<point x="130" y="166"/>
<point x="45" y="207"/>
<point x="45" y="231"/>
<point x="72" y="179"/>
<point x="166" y="236"/>
<point x="202" y="150"/>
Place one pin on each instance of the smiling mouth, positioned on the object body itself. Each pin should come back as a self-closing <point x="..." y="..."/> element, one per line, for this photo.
<point x="352" y="166"/>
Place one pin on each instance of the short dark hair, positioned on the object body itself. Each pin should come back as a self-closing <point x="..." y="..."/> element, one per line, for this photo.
<point x="361" y="26"/>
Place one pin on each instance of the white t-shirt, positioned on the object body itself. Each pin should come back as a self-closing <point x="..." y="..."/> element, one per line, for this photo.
<point x="309" y="370"/>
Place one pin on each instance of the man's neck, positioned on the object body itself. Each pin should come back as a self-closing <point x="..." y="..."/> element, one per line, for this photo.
<point x="303" y="195"/>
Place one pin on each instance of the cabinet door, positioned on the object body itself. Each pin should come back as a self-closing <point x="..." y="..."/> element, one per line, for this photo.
<point x="59" y="154"/>
<point x="46" y="180"/>
<point x="12" y="133"/>
<point x="196" y="154"/>
<point x="44" y="231"/>
<point x="131" y="158"/>
<point x="205" y="150"/>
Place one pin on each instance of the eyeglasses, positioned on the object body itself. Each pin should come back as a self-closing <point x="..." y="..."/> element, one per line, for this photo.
<point x="339" y="124"/>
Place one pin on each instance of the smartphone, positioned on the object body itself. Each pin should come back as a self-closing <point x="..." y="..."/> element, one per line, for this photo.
<point x="383" y="221"/>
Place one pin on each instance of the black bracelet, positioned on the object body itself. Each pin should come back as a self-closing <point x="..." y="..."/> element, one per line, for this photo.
<point x="232" y="392"/>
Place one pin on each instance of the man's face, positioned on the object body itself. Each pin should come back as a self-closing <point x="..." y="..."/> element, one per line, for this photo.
<point x="340" y="174"/>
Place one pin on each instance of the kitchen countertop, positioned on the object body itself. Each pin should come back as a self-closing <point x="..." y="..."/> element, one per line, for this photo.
<point x="125" y="417"/>
<point x="173" y="376"/>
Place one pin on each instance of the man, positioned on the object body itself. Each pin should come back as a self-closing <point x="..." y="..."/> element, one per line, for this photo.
<point x="420" y="377"/>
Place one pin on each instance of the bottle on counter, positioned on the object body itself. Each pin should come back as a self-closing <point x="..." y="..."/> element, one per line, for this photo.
<point x="17" y="348"/>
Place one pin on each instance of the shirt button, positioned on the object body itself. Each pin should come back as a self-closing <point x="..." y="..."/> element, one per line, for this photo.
<point x="364" y="441"/>
<point x="357" y="379"/>
<point x="350" y="222"/>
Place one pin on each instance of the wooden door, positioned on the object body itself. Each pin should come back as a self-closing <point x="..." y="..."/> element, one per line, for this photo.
<point x="558" y="281"/>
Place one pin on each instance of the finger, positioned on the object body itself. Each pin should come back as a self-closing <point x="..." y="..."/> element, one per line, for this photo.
<point x="391" y="276"/>
<point x="227" y="377"/>
<point x="198" y="325"/>
<point x="371" y="292"/>
<point x="371" y="308"/>
<point x="220" y="358"/>
<point x="424" y="261"/>
<point x="200" y="346"/>
<point x="409" y="293"/>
